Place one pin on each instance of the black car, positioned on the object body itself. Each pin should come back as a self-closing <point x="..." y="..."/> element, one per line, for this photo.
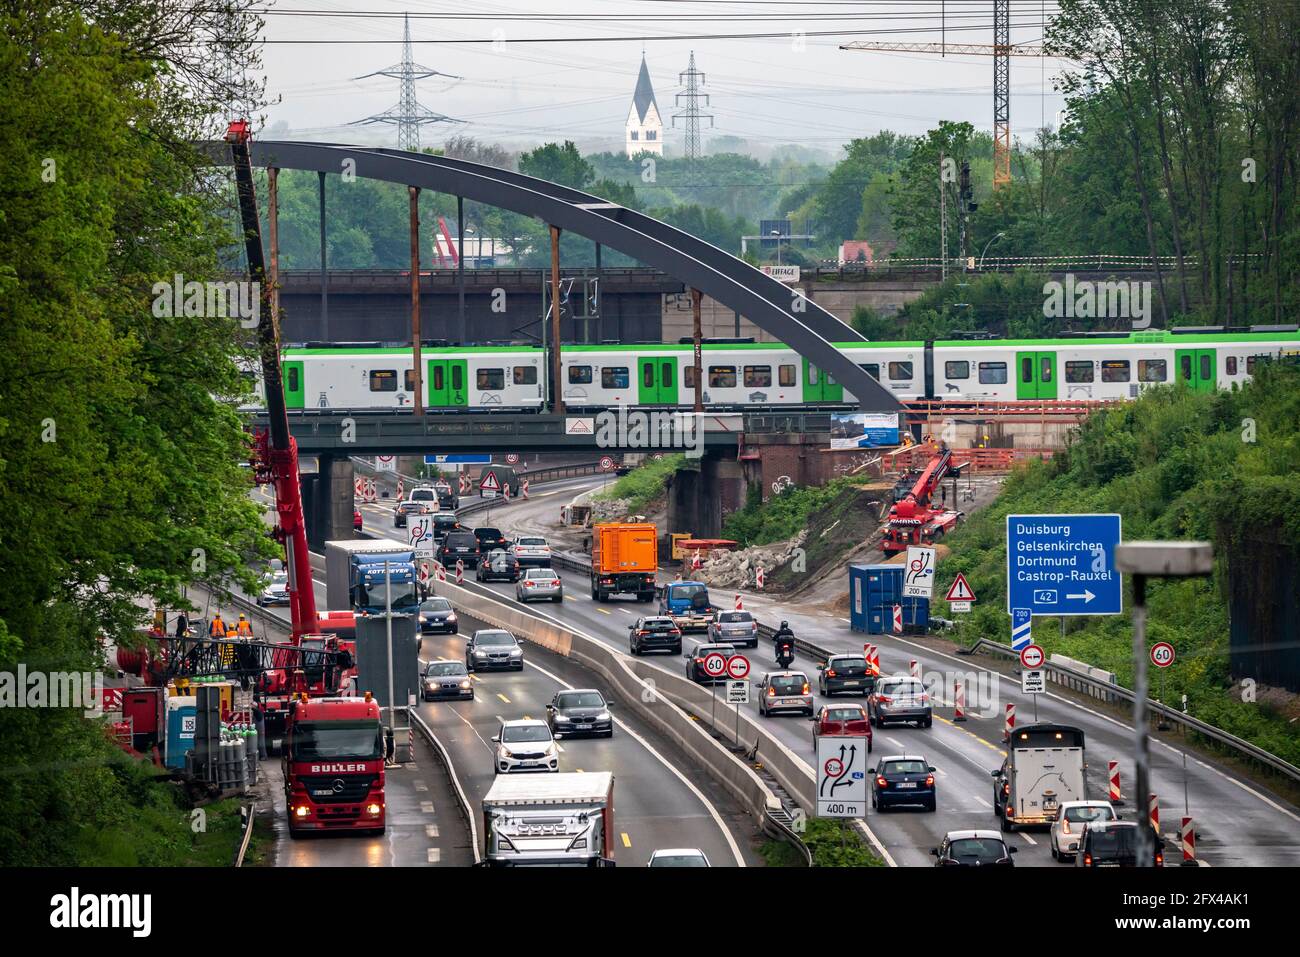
<point x="654" y="633"/>
<point x="493" y="648"/>
<point x="447" y="497"/>
<point x="845" y="673"/>
<point x="695" y="661"/>
<point x="490" y="538"/>
<point x="457" y="546"/>
<point x="446" y="679"/>
<point x="444" y="522"/>
<point x="498" y="565"/>
<point x="1113" y="844"/>
<point x="408" y="508"/>
<point x="973" y="849"/>
<point x="903" y="779"/>
<point x="437" y="615"/>
<point x="579" y="711"/>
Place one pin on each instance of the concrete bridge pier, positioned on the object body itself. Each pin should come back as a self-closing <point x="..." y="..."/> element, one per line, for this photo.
<point x="327" y="501"/>
<point x="699" y="499"/>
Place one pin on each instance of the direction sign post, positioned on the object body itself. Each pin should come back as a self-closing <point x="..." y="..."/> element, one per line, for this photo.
<point x="715" y="666"/>
<point x="1162" y="656"/>
<point x="737" y="693"/>
<point x="841" y="776"/>
<point x="1064" y="564"/>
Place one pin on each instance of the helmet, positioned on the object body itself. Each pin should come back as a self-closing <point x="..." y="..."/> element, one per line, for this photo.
<point x="241" y="618"/>
<point x="785" y="624"/>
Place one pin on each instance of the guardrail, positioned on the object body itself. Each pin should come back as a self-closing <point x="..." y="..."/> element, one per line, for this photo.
<point x="1113" y="693"/>
<point x="461" y="799"/>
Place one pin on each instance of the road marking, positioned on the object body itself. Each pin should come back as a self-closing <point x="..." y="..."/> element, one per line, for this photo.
<point x="435" y="855"/>
<point x="421" y="786"/>
<point x="503" y="697"/>
<point x="426" y="807"/>
<point x="603" y="611"/>
<point x="559" y="747"/>
<point x="569" y="598"/>
<point x="1027" y="837"/>
<point x="627" y="841"/>
<point x="430" y="830"/>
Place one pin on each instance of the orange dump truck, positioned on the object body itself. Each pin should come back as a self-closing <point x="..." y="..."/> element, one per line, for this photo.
<point x="624" y="560"/>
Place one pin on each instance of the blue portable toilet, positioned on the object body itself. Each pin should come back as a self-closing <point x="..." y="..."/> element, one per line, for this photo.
<point x="182" y="713"/>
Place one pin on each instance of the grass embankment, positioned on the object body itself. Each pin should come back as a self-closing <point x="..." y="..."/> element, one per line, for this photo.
<point x="1176" y="465"/>
<point x="645" y="484"/>
<point x="833" y="844"/>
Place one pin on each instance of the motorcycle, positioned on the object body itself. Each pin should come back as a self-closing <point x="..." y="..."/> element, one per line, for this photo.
<point x="785" y="653"/>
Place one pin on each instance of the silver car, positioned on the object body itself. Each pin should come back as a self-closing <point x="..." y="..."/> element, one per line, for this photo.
<point x="735" y="628"/>
<point x="785" y="691"/>
<point x="1070" y="821"/>
<point x="276" y="591"/>
<point x="539" y="583"/>
<point x="532" y="550"/>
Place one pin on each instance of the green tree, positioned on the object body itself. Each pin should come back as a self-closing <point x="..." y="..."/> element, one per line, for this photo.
<point x="558" y="164"/>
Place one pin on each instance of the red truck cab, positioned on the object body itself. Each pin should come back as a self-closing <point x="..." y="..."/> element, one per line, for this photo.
<point x="334" y="765"/>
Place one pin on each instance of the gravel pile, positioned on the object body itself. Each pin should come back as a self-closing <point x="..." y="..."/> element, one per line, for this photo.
<point x="736" y="569"/>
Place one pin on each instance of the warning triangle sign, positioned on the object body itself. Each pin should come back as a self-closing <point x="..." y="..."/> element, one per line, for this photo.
<point x="489" y="483"/>
<point x="960" y="590"/>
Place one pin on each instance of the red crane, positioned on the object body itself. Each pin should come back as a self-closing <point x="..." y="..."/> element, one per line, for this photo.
<point x="912" y="519"/>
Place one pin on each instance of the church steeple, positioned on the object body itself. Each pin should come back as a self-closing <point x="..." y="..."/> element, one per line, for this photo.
<point x="644" y="123"/>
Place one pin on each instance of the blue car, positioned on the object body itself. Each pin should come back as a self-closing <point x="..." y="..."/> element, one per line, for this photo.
<point x="903" y="779"/>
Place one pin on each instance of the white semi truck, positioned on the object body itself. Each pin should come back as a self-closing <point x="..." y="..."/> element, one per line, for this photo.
<point x="551" y="820"/>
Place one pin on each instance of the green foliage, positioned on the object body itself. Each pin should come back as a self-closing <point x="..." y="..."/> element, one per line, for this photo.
<point x="1175" y="465"/>
<point x="645" y="483"/>
<point x="837" y="844"/>
<point x="1005" y="304"/>
<point x="558" y="164"/>
<point x="782" y="516"/>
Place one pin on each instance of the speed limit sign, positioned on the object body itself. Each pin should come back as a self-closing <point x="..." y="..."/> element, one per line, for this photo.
<point x="1162" y="654"/>
<point x="512" y="459"/>
<point x="714" y="665"/>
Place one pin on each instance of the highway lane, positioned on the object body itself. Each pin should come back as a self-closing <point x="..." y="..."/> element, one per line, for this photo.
<point x="1238" y="822"/>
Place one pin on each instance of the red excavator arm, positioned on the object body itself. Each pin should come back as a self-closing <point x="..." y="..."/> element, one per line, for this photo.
<point x="275" y="454"/>
<point x="918" y="499"/>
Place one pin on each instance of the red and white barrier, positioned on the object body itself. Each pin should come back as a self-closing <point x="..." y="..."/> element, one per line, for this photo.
<point x="523" y="488"/>
<point x="400" y="490"/>
<point x="1009" y="722"/>
<point x="1112" y="768"/>
<point x="759" y="577"/>
<point x="740" y="605"/>
<point x="441" y="570"/>
<point x="914" y="669"/>
<point x="695" y="561"/>
<point x="959" y="701"/>
<point x="460" y="572"/>
<point x="1188" y="835"/>
<point x="898" y="619"/>
<point x="1153" y="813"/>
<point x="875" y="658"/>
<point x="505" y="491"/>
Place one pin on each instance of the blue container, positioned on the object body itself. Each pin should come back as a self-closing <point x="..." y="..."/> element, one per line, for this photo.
<point x="880" y="619"/>
<point x="181" y="716"/>
<point x="873" y="587"/>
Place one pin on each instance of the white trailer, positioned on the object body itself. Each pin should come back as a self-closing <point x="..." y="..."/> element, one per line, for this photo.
<point x="552" y="820"/>
<point x="1043" y="769"/>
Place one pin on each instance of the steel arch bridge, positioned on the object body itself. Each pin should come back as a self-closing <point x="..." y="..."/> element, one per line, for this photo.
<point x="793" y="319"/>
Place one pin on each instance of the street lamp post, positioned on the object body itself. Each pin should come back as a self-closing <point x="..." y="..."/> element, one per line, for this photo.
<point x="776" y="234"/>
<point x="1145" y="560"/>
<point x="995" y="238"/>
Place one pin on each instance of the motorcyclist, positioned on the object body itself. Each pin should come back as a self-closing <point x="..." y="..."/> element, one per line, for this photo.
<point x="783" y="642"/>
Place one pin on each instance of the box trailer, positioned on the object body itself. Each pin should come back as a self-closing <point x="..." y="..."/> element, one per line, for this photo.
<point x="549" y="820"/>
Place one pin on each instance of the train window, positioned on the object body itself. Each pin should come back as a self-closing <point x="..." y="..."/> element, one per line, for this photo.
<point x="758" y="377"/>
<point x="688" y="377"/>
<point x="871" y="368"/>
<point x="1207" y="368"/>
<point x="648" y="375"/>
<point x="490" y="380"/>
<point x="666" y="372"/>
<point x="410" y="380"/>
<point x="1027" y="369"/>
<point x="1045" y="372"/>
<point x="616" y="377"/>
<point x="437" y="378"/>
<point x="1114" y="370"/>
<point x="458" y="377"/>
<point x="579" y="375"/>
<point x="900" y="371"/>
<point x="786" y="375"/>
<point x="812" y="374"/>
<point x="1250" y="365"/>
<point x="293" y="378"/>
<point x="722" y="377"/>
<point x="383" y="380"/>
<point x="1231" y="364"/>
<point x="525" y="375"/>
<point x="957" y="370"/>
<point x="1185" y="368"/>
<point x="993" y="373"/>
<point x="1078" y="372"/>
<point x="1151" y="370"/>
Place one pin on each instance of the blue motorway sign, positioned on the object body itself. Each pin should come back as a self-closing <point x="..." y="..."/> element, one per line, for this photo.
<point x="1063" y="564"/>
<point x="460" y="458"/>
<point x="1022" y="625"/>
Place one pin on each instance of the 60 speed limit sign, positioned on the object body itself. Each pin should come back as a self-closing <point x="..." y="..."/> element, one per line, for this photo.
<point x="1162" y="654"/>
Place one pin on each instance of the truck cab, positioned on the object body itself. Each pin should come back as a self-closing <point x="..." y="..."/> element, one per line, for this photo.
<point x="333" y="761"/>
<point x="375" y="581"/>
<point x="687" y="603"/>
<point x="553" y="820"/>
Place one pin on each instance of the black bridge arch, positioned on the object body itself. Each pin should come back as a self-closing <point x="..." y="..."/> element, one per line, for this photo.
<point x="766" y="302"/>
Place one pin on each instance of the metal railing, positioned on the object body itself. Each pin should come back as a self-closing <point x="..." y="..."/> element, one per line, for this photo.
<point x="1113" y="693"/>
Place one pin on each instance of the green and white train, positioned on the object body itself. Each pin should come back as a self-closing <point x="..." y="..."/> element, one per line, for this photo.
<point x="745" y="375"/>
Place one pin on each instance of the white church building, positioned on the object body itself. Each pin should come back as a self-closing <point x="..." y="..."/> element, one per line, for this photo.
<point x="645" y="127"/>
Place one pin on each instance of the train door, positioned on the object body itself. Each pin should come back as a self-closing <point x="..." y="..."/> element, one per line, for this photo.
<point x="1035" y="375"/>
<point x="819" y="385"/>
<point x="294" y="386"/>
<point x="1196" y="368"/>
<point x="446" y="384"/>
<point x="657" y="380"/>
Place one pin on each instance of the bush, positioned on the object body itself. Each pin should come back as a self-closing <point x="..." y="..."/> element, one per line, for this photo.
<point x="645" y="483"/>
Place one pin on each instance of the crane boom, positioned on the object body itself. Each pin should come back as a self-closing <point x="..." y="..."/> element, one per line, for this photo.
<point x="275" y="451"/>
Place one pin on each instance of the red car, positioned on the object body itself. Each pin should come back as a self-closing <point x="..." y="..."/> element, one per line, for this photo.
<point x="356" y="519"/>
<point x="848" y="719"/>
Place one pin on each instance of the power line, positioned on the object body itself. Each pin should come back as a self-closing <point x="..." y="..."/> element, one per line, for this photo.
<point x="409" y="114"/>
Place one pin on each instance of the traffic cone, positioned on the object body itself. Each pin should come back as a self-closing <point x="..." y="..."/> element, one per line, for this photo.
<point x="1112" y="768"/>
<point x="1188" y="835"/>
<point x="1009" y="723"/>
<point x="959" y="702"/>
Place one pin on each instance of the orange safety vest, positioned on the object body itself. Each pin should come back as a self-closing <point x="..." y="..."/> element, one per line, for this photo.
<point x="245" y="629"/>
<point x="217" y="628"/>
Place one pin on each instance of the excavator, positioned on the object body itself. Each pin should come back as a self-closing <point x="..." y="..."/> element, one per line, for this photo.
<point x="913" y="519"/>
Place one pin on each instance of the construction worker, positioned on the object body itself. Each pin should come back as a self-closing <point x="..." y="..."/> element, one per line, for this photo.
<point x="217" y="628"/>
<point x="182" y="625"/>
<point x="244" y="628"/>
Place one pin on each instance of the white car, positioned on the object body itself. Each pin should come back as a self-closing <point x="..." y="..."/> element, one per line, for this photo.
<point x="678" y="857"/>
<point x="1069" y="824"/>
<point x="532" y="550"/>
<point x="525" y="745"/>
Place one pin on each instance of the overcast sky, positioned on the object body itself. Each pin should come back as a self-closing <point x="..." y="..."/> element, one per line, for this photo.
<point x="766" y="90"/>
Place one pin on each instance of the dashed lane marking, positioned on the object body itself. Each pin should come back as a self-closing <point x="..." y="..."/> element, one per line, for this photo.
<point x="627" y="841"/>
<point x="426" y="807"/>
<point x="603" y="611"/>
<point x="503" y="697"/>
<point x="430" y="830"/>
<point x="435" y="855"/>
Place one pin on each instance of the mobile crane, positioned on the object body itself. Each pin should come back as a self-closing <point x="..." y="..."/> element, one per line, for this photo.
<point x="912" y="519"/>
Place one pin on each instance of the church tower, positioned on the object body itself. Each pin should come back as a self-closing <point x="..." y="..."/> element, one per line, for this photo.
<point x="645" y="128"/>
